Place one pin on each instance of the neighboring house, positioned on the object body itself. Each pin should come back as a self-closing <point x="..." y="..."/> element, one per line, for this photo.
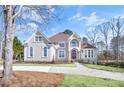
<point x="59" y="48"/>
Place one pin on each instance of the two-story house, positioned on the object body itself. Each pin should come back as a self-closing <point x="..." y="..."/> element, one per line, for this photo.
<point x="59" y="48"/>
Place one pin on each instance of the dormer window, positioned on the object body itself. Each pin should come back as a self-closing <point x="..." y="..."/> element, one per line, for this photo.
<point x="62" y="44"/>
<point x="38" y="38"/>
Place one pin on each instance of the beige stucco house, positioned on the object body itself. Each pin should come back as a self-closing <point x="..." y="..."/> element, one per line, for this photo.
<point x="59" y="48"/>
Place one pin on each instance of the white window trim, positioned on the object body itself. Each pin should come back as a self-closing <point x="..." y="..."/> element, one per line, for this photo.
<point x="29" y="51"/>
<point x="82" y="53"/>
<point x="42" y="49"/>
<point x="64" y="54"/>
<point x="77" y="43"/>
<point x="61" y="43"/>
<point x="89" y="53"/>
<point x="38" y="40"/>
<point x="92" y="53"/>
<point x="85" y="53"/>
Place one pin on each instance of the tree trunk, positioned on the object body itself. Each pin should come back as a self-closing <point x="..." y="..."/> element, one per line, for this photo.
<point x="9" y="35"/>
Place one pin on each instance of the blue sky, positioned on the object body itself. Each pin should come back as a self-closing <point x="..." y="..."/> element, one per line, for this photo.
<point x="76" y="18"/>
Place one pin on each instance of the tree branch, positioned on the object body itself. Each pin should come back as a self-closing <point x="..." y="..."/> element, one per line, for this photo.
<point x="16" y="14"/>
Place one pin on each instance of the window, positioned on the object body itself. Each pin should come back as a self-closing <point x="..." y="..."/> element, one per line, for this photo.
<point x="61" y="54"/>
<point x="88" y="53"/>
<point x="92" y="53"/>
<point x="61" y="44"/>
<point x="38" y="38"/>
<point x="45" y="51"/>
<point x="31" y="51"/>
<point x="74" y="43"/>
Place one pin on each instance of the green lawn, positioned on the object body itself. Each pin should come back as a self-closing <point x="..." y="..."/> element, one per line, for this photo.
<point x="107" y="68"/>
<point x="1" y="62"/>
<point x="87" y="81"/>
<point x="54" y="65"/>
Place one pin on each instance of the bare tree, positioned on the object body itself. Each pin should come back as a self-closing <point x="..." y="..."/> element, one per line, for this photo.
<point x="104" y="30"/>
<point x="11" y="15"/>
<point x="117" y="27"/>
<point x="92" y="35"/>
<point x="121" y="46"/>
<point x="9" y="34"/>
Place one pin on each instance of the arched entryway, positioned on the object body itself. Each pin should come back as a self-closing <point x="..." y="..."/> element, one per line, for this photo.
<point x="74" y="54"/>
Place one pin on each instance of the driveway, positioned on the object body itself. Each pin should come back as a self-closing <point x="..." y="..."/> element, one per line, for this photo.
<point x="79" y="69"/>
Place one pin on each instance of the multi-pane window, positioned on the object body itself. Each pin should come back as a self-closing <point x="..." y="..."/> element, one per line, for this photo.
<point x="45" y="51"/>
<point x="88" y="53"/>
<point x="61" y="54"/>
<point x="92" y="53"/>
<point x="61" y="44"/>
<point x="38" y="38"/>
<point x="31" y="51"/>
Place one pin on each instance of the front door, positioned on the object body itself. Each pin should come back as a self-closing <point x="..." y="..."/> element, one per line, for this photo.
<point x="73" y="54"/>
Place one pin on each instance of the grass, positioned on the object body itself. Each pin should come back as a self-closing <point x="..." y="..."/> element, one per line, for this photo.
<point x="87" y="81"/>
<point x="43" y="79"/>
<point x="106" y="68"/>
<point x="1" y="62"/>
<point x="53" y="65"/>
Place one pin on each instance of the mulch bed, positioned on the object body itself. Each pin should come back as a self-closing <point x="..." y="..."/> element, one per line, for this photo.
<point x="33" y="79"/>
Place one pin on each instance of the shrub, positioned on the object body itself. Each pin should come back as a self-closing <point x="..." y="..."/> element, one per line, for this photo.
<point x="38" y="62"/>
<point x="52" y="62"/>
<point x="121" y="64"/>
<point x="115" y="64"/>
<point x="44" y="62"/>
<point x="110" y="64"/>
<point x="82" y="61"/>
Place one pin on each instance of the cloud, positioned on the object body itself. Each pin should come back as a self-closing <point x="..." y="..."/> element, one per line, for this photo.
<point x="93" y="19"/>
<point x="90" y="20"/>
<point x="75" y="17"/>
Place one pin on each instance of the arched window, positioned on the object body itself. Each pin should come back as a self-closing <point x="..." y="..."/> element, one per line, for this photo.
<point x="74" y="43"/>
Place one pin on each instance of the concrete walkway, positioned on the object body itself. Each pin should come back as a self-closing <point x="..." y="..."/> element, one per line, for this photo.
<point x="79" y="69"/>
<point x="82" y="70"/>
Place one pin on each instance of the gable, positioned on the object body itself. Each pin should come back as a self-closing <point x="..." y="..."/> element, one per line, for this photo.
<point x="75" y="36"/>
<point x="38" y="33"/>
